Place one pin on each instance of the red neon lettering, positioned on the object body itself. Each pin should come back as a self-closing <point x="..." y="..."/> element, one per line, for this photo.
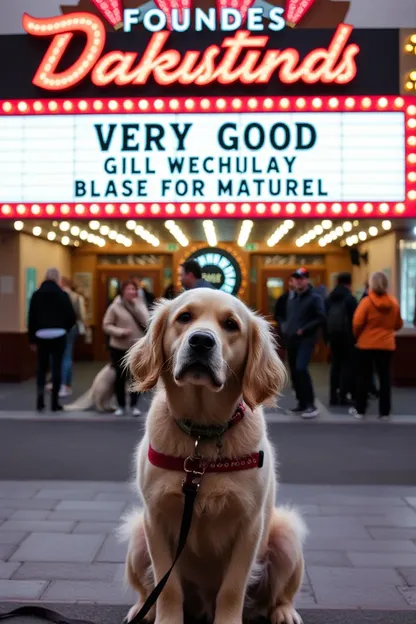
<point x="335" y="64"/>
<point x="46" y="76"/>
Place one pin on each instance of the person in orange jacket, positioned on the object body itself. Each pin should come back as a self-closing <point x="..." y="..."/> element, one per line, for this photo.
<point x="375" y="322"/>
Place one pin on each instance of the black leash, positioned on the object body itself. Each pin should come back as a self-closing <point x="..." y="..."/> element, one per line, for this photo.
<point x="190" y="487"/>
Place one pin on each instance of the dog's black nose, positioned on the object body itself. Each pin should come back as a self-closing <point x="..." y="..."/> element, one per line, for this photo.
<point x="201" y="342"/>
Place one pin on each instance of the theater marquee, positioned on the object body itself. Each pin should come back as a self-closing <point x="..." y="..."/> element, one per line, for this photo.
<point x="209" y="156"/>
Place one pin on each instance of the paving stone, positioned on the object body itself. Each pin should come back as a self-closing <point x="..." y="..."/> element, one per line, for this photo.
<point x="55" y="547"/>
<point x="39" y="526"/>
<point x="392" y="533"/>
<point x="326" y="497"/>
<point x="21" y="590"/>
<point x="11" y="537"/>
<point x="6" y="513"/>
<point x="343" y="527"/>
<point x="31" y="503"/>
<point x="327" y="557"/>
<point x="409" y="594"/>
<point x="118" y="496"/>
<point x="363" y="545"/>
<point x="18" y="492"/>
<point x="90" y="591"/>
<point x="382" y="560"/>
<point x="356" y="588"/>
<point x="8" y="568"/>
<point x="6" y="550"/>
<point x="112" y="551"/>
<point x="98" y="527"/>
<point x="354" y="510"/>
<point x="29" y="514"/>
<point x="78" y="494"/>
<point x="85" y="515"/>
<point x="409" y="575"/>
<point x="392" y="518"/>
<point x="101" y="506"/>
<point x="69" y="571"/>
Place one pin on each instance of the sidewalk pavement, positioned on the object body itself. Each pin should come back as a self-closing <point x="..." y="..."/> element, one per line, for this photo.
<point x="18" y="400"/>
<point x="57" y="544"/>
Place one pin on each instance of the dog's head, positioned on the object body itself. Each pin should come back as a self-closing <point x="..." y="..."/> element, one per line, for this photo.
<point x="209" y="338"/>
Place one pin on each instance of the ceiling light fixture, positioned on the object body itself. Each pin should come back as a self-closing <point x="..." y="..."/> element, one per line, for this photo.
<point x="210" y="234"/>
<point x="245" y="232"/>
<point x="174" y="229"/>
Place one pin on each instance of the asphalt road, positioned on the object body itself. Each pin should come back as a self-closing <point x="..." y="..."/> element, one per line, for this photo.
<point x="310" y="453"/>
<point x="115" y="615"/>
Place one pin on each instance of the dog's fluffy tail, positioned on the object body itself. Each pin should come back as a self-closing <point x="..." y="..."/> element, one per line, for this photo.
<point x="82" y="403"/>
<point x="130" y="523"/>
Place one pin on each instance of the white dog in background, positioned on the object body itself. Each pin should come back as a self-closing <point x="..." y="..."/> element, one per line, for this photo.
<point x="101" y="394"/>
<point x="207" y="353"/>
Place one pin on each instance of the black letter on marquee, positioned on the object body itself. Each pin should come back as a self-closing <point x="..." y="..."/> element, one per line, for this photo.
<point x="80" y="189"/>
<point x="301" y="142"/>
<point x="105" y="143"/>
<point x="181" y="136"/>
<point x="233" y="144"/>
<point x="154" y="138"/>
<point x="247" y="139"/>
<point x="129" y="136"/>
<point x="286" y="137"/>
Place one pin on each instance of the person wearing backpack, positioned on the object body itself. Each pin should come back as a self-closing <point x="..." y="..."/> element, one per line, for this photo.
<point x="340" y="307"/>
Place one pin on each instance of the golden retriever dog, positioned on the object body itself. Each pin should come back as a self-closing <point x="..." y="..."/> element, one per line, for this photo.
<point x="207" y="353"/>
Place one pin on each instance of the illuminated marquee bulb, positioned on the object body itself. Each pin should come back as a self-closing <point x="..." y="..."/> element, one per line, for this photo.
<point x="111" y="10"/>
<point x="296" y="10"/>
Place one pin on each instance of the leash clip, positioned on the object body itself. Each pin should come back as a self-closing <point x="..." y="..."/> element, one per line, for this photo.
<point x="194" y="467"/>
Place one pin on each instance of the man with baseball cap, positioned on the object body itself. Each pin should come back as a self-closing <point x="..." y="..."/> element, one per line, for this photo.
<point x="306" y="314"/>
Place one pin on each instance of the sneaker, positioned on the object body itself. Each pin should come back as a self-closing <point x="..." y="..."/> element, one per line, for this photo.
<point x="119" y="412"/>
<point x="136" y="412"/>
<point x="64" y="392"/>
<point x="40" y="403"/>
<point x="310" y="412"/>
<point x="297" y="410"/>
<point x="357" y="416"/>
<point x="57" y="408"/>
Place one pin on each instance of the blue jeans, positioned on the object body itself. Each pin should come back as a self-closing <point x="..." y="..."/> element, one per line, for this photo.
<point x="67" y="360"/>
<point x="299" y="353"/>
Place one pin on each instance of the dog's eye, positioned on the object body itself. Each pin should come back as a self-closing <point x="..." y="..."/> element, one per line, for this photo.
<point x="185" y="317"/>
<point x="230" y="325"/>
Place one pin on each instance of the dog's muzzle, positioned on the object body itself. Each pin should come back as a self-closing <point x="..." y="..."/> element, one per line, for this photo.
<point x="200" y="358"/>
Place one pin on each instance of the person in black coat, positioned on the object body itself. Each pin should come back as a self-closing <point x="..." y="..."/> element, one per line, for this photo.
<point x="51" y="316"/>
<point x="305" y="316"/>
<point x="340" y="307"/>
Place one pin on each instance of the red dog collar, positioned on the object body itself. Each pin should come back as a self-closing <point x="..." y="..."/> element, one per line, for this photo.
<point x="190" y="464"/>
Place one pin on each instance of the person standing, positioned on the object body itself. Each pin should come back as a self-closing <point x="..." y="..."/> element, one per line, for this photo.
<point x="375" y="322"/>
<point x="79" y="328"/>
<point x="51" y="317"/>
<point x="281" y="312"/>
<point x="190" y="275"/>
<point x="340" y="307"/>
<point x="125" y="322"/>
<point x="306" y="314"/>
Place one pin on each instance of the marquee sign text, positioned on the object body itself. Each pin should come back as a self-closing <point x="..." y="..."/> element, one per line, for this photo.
<point x="241" y="58"/>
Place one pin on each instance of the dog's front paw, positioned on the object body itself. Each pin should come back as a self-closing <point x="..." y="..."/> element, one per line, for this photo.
<point x="150" y="617"/>
<point x="285" y="614"/>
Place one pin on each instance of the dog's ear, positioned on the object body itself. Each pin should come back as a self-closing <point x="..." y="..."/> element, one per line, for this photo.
<point x="146" y="358"/>
<point x="264" y="375"/>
